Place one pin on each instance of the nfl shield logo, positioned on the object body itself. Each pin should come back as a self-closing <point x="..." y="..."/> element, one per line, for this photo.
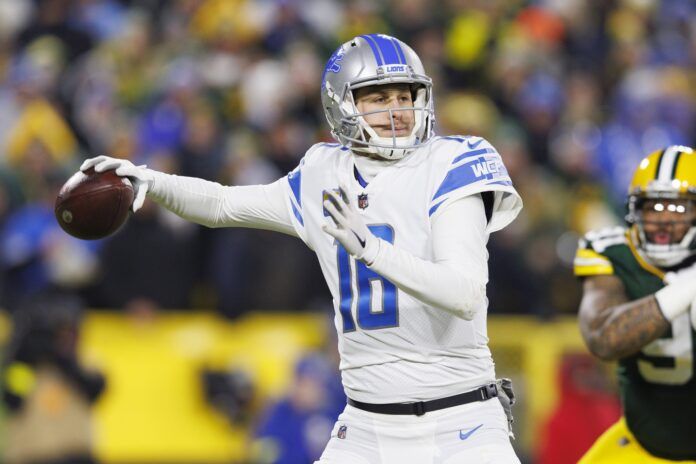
<point x="362" y="201"/>
<point x="342" y="432"/>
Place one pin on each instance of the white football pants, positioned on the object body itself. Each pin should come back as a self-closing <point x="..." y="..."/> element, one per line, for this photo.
<point x="475" y="433"/>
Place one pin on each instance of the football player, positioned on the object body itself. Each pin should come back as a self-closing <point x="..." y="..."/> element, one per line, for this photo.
<point x="399" y="220"/>
<point x="639" y="291"/>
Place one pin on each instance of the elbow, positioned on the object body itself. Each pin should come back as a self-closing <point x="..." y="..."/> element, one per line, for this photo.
<point x="460" y="308"/>
<point x="604" y="353"/>
<point x="468" y="304"/>
<point x="471" y="301"/>
<point x="603" y="349"/>
<point x="465" y="312"/>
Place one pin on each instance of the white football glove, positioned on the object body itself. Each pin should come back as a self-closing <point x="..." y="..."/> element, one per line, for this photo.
<point x="687" y="274"/>
<point x="141" y="178"/>
<point x="349" y="227"/>
<point x="679" y="294"/>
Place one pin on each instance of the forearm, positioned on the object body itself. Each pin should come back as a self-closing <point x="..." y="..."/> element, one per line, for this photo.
<point x="214" y="205"/>
<point x="455" y="278"/>
<point x="614" y="327"/>
<point x="437" y="284"/>
<point x="627" y="329"/>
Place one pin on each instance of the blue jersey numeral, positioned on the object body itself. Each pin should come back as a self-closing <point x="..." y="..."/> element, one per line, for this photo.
<point x="367" y="280"/>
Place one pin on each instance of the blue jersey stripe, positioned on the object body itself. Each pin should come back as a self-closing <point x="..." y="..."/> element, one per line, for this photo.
<point x="469" y="154"/>
<point x="434" y="208"/>
<point x="500" y="182"/>
<point x="297" y="213"/>
<point x="459" y="177"/>
<point x="375" y="50"/>
<point x="295" y="181"/>
<point x="399" y="50"/>
<point x="458" y="139"/>
<point x="334" y="145"/>
<point x="359" y="178"/>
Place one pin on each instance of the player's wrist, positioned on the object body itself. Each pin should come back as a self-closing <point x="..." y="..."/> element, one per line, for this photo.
<point x="686" y="276"/>
<point x="675" y="299"/>
<point x="371" y="250"/>
<point x="156" y="181"/>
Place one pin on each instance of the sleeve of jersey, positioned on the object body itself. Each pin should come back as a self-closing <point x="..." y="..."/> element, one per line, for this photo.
<point x="293" y="186"/>
<point x="455" y="280"/>
<point x="588" y="262"/>
<point x="214" y="205"/>
<point x="292" y="194"/>
<point x="476" y="167"/>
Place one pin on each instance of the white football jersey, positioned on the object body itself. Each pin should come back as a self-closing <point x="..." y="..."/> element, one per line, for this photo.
<point x="393" y="347"/>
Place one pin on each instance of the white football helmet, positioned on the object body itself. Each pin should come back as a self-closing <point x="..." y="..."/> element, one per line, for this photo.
<point x="367" y="60"/>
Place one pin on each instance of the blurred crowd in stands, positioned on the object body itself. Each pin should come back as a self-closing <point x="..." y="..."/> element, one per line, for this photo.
<point x="573" y="93"/>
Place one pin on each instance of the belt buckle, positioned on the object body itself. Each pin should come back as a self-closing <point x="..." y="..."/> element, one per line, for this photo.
<point x="491" y="391"/>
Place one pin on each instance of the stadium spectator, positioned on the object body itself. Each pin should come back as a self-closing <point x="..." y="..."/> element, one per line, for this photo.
<point x="296" y="428"/>
<point x="47" y="392"/>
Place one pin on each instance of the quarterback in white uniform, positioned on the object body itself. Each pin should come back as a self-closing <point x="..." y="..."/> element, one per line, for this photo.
<point x="399" y="220"/>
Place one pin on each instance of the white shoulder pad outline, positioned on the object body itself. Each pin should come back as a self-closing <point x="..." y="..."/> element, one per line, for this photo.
<point x="600" y="240"/>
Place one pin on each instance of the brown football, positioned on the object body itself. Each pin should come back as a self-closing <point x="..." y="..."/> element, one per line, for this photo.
<point x="93" y="205"/>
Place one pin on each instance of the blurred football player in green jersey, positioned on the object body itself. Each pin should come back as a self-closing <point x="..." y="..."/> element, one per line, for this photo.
<point x="639" y="308"/>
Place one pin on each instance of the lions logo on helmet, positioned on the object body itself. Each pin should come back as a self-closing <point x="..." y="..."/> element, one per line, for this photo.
<point x="368" y="60"/>
<point x="662" y="205"/>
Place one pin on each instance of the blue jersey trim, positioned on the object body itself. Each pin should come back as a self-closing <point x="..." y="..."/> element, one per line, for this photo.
<point x="359" y="178"/>
<point x="334" y="145"/>
<point x="434" y="208"/>
<point x="480" y="151"/>
<point x="461" y="176"/>
<point x="297" y="214"/>
<point x="501" y="182"/>
<point x="295" y="181"/>
<point x="458" y="139"/>
<point x="375" y="50"/>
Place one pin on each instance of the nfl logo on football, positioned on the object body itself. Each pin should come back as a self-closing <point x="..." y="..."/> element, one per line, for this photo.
<point x="342" y="432"/>
<point x="362" y="201"/>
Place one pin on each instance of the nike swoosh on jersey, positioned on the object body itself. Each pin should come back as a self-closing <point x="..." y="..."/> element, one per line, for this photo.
<point x="473" y="145"/>
<point x="465" y="435"/>
<point x="361" y="241"/>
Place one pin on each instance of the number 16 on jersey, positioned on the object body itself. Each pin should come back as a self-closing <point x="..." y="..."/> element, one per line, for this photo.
<point x="372" y="312"/>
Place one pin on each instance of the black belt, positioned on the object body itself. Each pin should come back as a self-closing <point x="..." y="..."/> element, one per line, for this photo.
<point x="421" y="407"/>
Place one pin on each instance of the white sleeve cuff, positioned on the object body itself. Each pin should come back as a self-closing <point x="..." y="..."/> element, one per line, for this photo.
<point x="676" y="298"/>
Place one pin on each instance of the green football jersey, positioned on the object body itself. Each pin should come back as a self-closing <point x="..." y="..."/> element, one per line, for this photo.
<point x="658" y="385"/>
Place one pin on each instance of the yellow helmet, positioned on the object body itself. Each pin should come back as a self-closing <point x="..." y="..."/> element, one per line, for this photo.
<point x="668" y="174"/>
